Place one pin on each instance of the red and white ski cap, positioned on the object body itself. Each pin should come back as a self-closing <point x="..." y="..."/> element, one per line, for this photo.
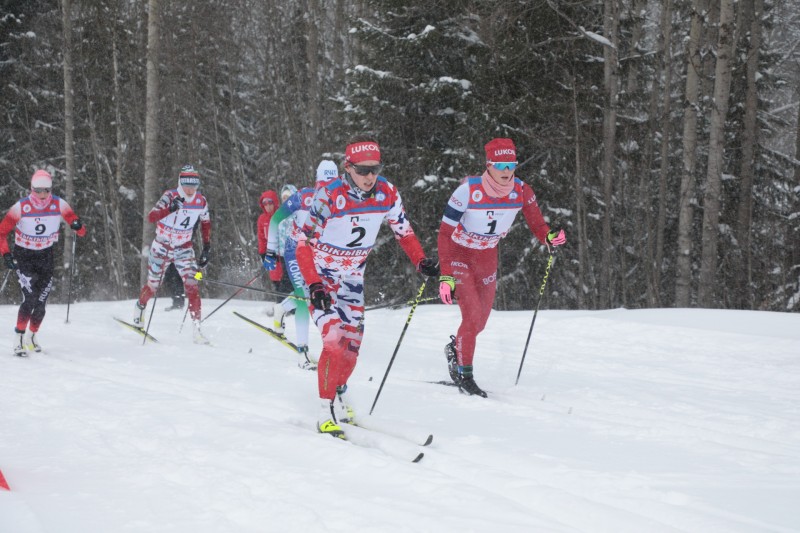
<point x="501" y="150"/>
<point x="41" y="178"/>
<point x="362" y="151"/>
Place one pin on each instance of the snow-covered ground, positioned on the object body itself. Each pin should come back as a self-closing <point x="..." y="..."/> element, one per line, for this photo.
<point x="639" y="421"/>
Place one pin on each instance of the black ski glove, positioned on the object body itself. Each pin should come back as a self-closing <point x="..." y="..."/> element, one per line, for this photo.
<point x="11" y="263"/>
<point x="205" y="256"/>
<point x="320" y="299"/>
<point x="175" y="204"/>
<point x="428" y="267"/>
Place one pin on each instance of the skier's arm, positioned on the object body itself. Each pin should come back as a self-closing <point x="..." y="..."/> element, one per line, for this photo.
<point x="273" y="228"/>
<point x="403" y="232"/>
<point x="161" y="209"/>
<point x="305" y="260"/>
<point x="72" y="219"/>
<point x="453" y="211"/>
<point x="7" y="225"/>
<point x="533" y="215"/>
<point x="205" y="232"/>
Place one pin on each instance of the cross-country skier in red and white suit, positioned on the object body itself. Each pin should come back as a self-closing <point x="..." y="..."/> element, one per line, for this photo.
<point x="480" y="213"/>
<point x="343" y="223"/>
<point x="176" y="213"/>
<point x="35" y="220"/>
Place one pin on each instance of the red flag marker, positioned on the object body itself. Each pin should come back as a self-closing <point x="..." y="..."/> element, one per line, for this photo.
<point x="3" y="483"/>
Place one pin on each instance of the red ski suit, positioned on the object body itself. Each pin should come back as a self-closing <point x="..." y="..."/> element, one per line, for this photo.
<point x="472" y="227"/>
<point x="263" y="230"/>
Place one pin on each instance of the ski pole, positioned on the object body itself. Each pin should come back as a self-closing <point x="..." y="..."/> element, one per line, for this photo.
<point x="396" y="348"/>
<point x="185" y="314"/>
<point x="155" y="299"/>
<point x="256" y="289"/>
<point x="5" y="281"/>
<point x="71" y="274"/>
<point x="400" y="304"/>
<point x="232" y="296"/>
<point x="530" y="331"/>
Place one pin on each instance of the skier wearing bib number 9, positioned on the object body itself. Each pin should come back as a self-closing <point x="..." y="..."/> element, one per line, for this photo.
<point x="35" y="220"/>
<point x="343" y="223"/>
<point x="176" y="213"/>
<point x="478" y="215"/>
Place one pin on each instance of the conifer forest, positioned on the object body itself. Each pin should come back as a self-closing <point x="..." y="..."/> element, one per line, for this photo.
<point x="661" y="135"/>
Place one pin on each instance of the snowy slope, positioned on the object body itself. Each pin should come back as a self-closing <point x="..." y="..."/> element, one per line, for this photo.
<point x="623" y="421"/>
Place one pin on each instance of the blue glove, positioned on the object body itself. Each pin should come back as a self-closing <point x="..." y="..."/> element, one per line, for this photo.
<point x="269" y="260"/>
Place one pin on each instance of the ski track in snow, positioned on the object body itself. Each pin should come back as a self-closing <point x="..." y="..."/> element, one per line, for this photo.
<point x="624" y="421"/>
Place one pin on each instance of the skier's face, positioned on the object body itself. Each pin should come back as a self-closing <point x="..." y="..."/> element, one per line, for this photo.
<point x="189" y="189"/>
<point x="269" y="205"/>
<point x="41" y="192"/>
<point x="365" y="182"/>
<point x="500" y="176"/>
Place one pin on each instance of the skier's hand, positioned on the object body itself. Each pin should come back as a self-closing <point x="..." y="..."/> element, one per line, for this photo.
<point x="11" y="263"/>
<point x="175" y="204"/>
<point x="269" y="260"/>
<point x="320" y="298"/>
<point x="556" y="238"/>
<point x="205" y="256"/>
<point x="447" y="287"/>
<point x="428" y="267"/>
<point x="78" y="227"/>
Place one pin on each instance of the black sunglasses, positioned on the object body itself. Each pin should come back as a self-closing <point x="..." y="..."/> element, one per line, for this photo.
<point x="41" y="189"/>
<point x="365" y="170"/>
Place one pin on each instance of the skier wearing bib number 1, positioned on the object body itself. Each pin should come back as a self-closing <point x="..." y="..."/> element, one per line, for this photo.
<point x="480" y="213"/>
<point x="36" y="220"/>
<point x="176" y="213"/>
<point x="343" y="223"/>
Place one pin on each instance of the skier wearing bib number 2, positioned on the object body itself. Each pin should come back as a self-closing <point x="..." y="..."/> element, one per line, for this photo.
<point x="480" y="213"/>
<point x="176" y="213"/>
<point x="343" y="223"/>
<point x="35" y="220"/>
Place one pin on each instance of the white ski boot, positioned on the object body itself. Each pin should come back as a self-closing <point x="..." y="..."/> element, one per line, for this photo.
<point x="305" y="361"/>
<point x="138" y="314"/>
<point x="277" y="319"/>
<point x="19" y="344"/>
<point x="344" y="413"/>
<point x="198" y="335"/>
<point x="31" y="344"/>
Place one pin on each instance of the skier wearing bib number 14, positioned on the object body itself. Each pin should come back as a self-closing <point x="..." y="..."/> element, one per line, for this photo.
<point x="35" y="220"/>
<point x="342" y="225"/>
<point x="480" y="213"/>
<point x="176" y="213"/>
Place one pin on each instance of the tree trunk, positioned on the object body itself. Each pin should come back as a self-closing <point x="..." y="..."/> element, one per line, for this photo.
<point x="611" y="81"/>
<point x="716" y="147"/>
<point x="109" y="259"/>
<point x="797" y="143"/>
<point x="666" y="134"/>
<point x="69" y="129"/>
<point x="746" y="172"/>
<point x="115" y="177"/>
<point x="313" y="72"/>
<point x="151" y="151"/>
<point x="580" y="210"/>
<point x="683" y="274"/>
<point x="638" y="11"/>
